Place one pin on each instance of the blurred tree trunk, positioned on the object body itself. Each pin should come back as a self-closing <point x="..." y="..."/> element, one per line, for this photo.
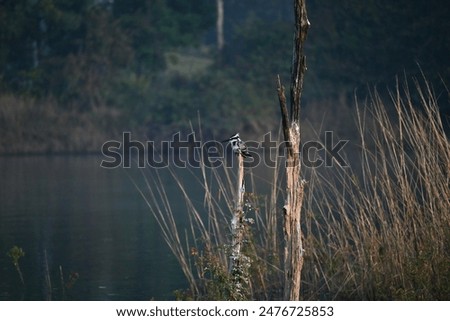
<point x="219" y="24"/>
<point x="293" y="249"/>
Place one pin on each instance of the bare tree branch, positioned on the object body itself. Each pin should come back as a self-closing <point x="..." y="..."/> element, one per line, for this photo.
<point x="298" y="58"/>
<point x="284" y="115"/>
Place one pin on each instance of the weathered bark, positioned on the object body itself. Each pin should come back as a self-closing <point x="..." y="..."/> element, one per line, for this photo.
<point x="293" y="248"/>
<point x="298" y="59"/>
<point x="236" y="222"/>
<point x="284" y="116"/>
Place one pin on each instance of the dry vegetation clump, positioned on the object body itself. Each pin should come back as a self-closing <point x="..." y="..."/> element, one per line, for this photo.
<point x="32" y="125"/>
<point x="376" y="230"/>
<point x="382" y="231"/>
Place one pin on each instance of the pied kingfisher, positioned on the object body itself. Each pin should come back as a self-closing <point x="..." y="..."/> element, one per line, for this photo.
<point x="238" y="146"/>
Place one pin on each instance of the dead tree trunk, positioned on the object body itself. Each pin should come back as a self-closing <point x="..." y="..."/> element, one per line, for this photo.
<point x="238" y="261"/>
<point x="236" y="222"/>
<point x="293" y="249"/>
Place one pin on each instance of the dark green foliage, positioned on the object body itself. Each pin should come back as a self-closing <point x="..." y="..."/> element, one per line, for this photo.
<point x="259" y="50"/>
<point x="355" y="44"/>
<point x="127" y="56"/>
<point x="44" y="42"/>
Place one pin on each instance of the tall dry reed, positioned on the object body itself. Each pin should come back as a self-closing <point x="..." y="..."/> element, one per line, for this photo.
<point x="381" y="230"/>
<point x="378" y="229"/>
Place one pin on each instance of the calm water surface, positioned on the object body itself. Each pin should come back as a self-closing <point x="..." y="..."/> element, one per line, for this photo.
<point x="88" y="220"/>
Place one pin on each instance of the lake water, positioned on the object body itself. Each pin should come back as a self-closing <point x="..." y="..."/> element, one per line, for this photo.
<point x="68" y="211"/>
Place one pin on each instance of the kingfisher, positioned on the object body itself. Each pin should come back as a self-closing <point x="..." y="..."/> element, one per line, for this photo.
<point x="238" y="146"/>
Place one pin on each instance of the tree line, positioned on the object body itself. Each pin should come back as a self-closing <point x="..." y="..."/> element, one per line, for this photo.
<point x="117" y="54"/>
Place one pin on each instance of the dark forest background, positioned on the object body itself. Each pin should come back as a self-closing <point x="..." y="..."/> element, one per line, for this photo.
<point x="75" y="73"/>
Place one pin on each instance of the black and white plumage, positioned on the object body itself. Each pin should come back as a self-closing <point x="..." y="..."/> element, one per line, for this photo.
<point x="238" y="146"/>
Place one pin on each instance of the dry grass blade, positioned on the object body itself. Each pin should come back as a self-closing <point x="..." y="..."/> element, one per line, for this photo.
<point x="383" y="232"/>
<point x="377" y="230"/>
